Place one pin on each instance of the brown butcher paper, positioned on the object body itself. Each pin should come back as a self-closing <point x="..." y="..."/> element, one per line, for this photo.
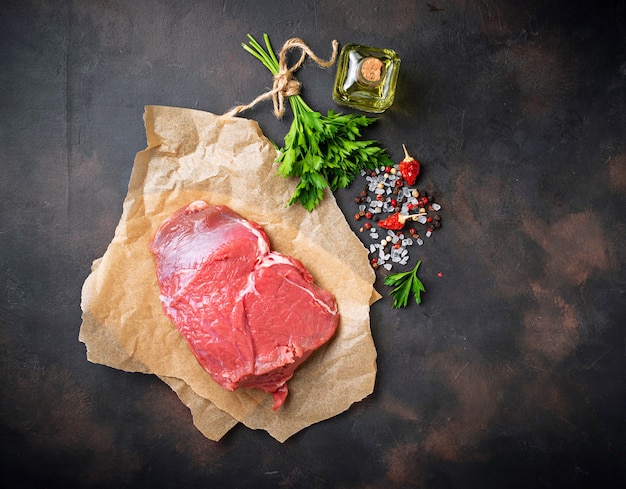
<point x="227" y="160"/>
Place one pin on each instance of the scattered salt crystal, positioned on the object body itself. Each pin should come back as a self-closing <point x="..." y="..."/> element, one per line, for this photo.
<point x="436" y="207"/>
<point x="429" y="233"/>
<point x="420" y="241"/>
<point x="421" y="219"/>
<point x="387" y="266"/>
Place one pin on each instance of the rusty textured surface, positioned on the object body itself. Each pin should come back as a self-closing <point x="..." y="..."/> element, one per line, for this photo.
<point x="512" y="371"/>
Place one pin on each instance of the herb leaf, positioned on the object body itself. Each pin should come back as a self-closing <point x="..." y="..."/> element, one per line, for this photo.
<point x="322" y="151"/>
<point x="405" y="284"/>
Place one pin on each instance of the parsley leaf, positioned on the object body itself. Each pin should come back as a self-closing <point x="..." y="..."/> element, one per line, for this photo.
<point x="405" y="284"/>
<point x="322" y="151"/>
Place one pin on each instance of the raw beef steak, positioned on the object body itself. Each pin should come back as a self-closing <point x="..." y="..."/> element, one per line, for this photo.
<point x="250" y="315"/>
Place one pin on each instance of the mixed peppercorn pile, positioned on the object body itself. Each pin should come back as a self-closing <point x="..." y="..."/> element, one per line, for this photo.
<point x="395" y="212"/>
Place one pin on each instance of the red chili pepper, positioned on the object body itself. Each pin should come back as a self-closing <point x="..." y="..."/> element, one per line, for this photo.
<point x="409" y="168"/>
<point x="393" y="222"/>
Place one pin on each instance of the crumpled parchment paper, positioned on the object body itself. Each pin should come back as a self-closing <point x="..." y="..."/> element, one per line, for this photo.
<point x="193" y="155"/>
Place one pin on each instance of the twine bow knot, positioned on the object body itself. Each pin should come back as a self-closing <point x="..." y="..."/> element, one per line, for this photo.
<point x="285" y="85"/>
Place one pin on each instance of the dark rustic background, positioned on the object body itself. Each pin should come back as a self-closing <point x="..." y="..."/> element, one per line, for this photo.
<point x="511" y="374"/>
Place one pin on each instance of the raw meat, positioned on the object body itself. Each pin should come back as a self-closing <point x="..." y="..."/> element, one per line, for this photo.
<point x="250" y="315"/>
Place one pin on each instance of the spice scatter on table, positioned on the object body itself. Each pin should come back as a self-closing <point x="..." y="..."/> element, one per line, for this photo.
<point x="397" y="215"/>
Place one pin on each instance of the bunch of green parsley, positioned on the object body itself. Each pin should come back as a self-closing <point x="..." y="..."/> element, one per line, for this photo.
<point x="323" y="151"/>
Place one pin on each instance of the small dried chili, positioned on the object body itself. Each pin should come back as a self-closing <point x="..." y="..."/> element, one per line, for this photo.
<point x="393" y="222"/>
<point x="409" y="168"/>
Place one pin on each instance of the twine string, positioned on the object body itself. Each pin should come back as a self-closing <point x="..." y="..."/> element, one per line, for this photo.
<point x="285" y="85"/>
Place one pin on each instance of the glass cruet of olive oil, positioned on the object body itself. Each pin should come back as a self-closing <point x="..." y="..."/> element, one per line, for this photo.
<point x="366" y="78"/>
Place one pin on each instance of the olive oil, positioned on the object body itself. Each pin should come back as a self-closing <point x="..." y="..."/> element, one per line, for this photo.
<point x="366" y="78"/>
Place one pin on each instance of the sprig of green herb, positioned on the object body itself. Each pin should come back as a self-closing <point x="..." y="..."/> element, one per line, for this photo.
<point x="405" y="283"/>
<point x="323" y="151"/>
